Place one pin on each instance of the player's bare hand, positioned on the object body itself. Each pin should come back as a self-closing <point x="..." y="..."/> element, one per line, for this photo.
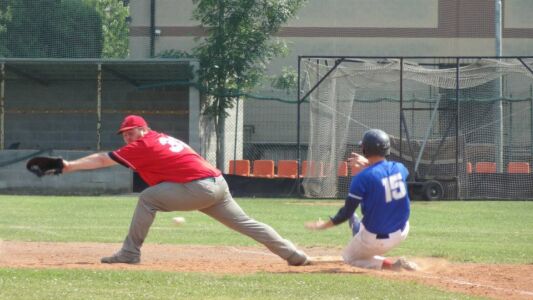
<point x="317" y="225"/>
<point x="357" y="161"/>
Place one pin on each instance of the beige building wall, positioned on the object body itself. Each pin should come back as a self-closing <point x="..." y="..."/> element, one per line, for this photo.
<point x="355" y="28"/>
<point x="174" y="20"/>
<point x="368" y="13"/>
<point x="360" y="28"/>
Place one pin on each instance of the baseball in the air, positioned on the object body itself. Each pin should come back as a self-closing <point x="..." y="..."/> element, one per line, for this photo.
<point x="178" y="220"/>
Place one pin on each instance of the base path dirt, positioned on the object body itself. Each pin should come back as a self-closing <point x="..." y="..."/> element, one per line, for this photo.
<point x="494" y="281"/>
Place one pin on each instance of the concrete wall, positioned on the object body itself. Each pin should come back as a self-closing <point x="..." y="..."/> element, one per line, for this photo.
<point x="15" y="179"/>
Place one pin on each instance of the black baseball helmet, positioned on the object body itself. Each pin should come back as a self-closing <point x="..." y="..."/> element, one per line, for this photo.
<point x="375" y="142"/>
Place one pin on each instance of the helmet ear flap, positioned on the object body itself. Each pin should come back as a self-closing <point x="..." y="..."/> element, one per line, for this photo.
<point x="362" y="147"/>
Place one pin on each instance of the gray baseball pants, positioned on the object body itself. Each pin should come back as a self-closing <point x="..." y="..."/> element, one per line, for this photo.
<point x="212" y="197"/>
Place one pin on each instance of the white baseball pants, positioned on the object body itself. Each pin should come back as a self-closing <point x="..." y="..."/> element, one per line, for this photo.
<point x="365" y="248"/>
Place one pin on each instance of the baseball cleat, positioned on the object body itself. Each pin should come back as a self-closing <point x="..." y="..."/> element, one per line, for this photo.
<point x="298" y="259"/>
<point x="120" y="258"/>
<point x="306" y="262"/>
<point x="403" y="264"/>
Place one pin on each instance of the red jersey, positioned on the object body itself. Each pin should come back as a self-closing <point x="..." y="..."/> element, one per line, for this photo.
<point x="158" y="157"/>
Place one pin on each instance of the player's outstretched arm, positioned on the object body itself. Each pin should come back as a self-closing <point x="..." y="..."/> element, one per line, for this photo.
<point x="344" y="213"/>
<point x="90" y="162"/>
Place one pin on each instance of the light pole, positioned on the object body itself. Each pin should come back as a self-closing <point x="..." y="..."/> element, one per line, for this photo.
<point x="499" y="109"/>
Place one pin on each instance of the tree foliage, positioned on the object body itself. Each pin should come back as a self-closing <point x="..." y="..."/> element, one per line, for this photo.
<point x="114" y="27"/>
<point x="237" y="48"/>
<point x="286" y="81"/>
<point x="51" y="29"/>
<point x="173" y="53"/>
<point x="5" y="18"/>
<point x="5" y="14"/>
<point x="239" y="44"/>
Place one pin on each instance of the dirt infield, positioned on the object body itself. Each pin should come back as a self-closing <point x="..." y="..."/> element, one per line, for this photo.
<point x="494" y="281"/>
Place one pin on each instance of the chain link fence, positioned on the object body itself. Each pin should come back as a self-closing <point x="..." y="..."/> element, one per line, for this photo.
<point x="463" y="126"/>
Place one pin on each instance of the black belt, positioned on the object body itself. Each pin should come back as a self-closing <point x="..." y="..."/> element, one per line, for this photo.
<point x="383" y="236"/>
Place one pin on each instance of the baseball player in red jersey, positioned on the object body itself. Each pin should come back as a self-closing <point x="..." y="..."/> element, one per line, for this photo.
<point x="179" y="180"/>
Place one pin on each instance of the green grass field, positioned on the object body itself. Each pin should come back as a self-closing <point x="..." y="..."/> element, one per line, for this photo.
<point x="468" y="231"/>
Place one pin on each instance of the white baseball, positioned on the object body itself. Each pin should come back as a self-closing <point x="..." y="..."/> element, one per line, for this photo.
<point x="178" y="220"/>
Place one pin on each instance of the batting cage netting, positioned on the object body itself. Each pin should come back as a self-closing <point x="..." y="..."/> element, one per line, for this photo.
<point x="462" y="126"/>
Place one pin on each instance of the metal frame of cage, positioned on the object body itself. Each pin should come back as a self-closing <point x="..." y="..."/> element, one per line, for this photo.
<point x="429" y="187"/>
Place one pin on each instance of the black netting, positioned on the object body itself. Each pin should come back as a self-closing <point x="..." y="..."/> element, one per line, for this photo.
<point x="465" y="123"/>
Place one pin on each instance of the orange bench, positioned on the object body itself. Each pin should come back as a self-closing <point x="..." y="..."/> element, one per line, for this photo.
<point x="263" y="168"/>
<point x="287" y="169"/>
<point x="518" y="168"/>
<point x="343" y="169"/>
<point x="485" y="167"/>
<point x="312" y="169"/>
<point x="239" y="167"/>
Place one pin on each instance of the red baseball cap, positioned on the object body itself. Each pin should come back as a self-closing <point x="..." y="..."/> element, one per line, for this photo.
<point x="130" y="122"/>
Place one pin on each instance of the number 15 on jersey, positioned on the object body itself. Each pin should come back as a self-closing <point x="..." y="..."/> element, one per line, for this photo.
<point x="394" y="187"/>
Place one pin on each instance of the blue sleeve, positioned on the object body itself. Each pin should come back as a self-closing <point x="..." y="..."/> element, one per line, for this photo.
<point x="350" y="205"/>
<point x="355" y="195"/>
<point x="405" y="172"/>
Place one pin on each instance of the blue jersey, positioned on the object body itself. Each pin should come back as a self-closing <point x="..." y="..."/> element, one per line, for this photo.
<point x="382" y="191"/>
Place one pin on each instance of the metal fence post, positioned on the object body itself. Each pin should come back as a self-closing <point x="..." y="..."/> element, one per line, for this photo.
<point x="457" y="178"/>
<point x="2" y="99"/>
<point x="99" y="108"/>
